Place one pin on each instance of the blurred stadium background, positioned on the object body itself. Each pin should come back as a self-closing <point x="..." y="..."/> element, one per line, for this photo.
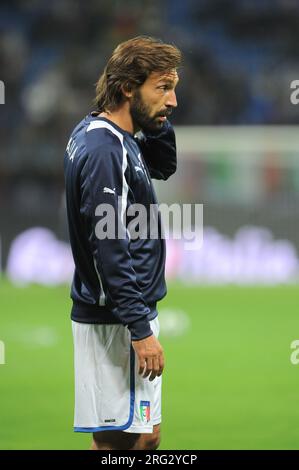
<point x="231" y="312"/>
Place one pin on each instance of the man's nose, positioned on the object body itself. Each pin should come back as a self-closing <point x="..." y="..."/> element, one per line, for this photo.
<point x="171" y="99"/>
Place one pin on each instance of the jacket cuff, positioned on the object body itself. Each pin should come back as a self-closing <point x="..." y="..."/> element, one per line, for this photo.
<point x="140" y="329"/>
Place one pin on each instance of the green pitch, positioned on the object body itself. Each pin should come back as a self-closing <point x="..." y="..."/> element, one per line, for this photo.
<point x="228" y="383"/>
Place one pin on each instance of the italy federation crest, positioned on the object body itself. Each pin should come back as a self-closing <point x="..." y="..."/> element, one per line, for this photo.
<point x="145" y="412"/>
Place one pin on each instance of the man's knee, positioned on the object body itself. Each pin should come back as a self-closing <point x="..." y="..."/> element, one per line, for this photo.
<point x="114" y="440"/>
<point x="151" y="441"/>
<point x="118" y="440"/>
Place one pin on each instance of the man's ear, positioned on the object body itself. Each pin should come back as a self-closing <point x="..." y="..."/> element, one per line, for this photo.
<point x="127" y="90"/>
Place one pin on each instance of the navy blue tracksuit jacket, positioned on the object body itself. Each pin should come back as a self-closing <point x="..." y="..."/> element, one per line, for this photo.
<point x="116" y="280"/>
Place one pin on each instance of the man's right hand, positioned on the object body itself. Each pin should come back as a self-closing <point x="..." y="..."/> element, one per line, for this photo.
<point x="150" y="357"/>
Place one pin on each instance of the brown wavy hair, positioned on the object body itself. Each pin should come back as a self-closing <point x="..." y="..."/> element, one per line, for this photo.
<point x="130" y="65"/>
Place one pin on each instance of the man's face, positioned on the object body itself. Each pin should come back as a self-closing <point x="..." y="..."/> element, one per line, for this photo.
<point x="153" y="102"/>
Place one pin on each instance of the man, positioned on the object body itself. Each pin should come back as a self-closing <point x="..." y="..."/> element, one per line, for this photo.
<point x="118" y="280"/>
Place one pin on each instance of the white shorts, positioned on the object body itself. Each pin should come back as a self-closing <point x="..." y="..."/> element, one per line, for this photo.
<point x="110" y="395"/>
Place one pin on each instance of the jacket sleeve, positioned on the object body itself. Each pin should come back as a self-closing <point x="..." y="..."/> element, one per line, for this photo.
<point x="159" y="151"/>
<point x="104" y="180"/>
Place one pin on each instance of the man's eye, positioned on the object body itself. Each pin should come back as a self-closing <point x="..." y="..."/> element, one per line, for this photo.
<point x="164" y="87"/>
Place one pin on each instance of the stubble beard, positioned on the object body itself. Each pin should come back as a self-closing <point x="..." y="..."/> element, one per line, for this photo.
<point x="141" y="116"/>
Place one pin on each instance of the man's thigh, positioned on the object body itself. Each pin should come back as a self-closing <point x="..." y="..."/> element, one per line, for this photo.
<point x="118" y="440"/>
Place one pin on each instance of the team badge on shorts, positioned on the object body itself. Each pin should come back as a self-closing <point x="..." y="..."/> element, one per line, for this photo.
<point x="145" y="411"/>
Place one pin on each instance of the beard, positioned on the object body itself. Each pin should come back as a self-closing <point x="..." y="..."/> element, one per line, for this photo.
<point x="141" y="115"/>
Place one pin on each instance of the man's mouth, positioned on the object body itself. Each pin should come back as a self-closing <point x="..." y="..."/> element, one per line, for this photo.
<point x="164" y="116"/>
